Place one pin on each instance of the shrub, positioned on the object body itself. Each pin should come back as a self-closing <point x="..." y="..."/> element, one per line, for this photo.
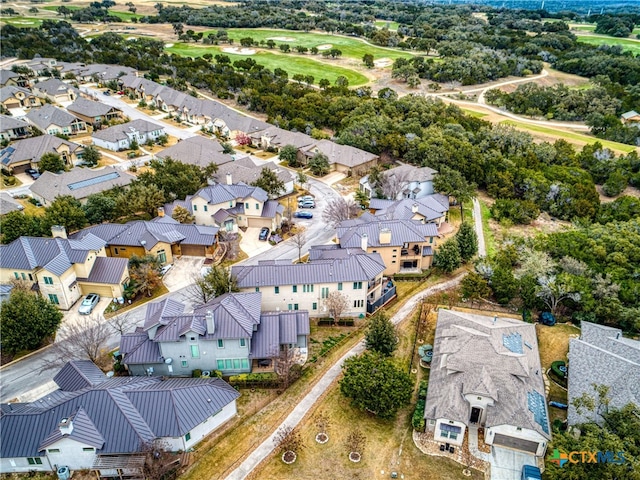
<point x="197" y="373"/>
<point x="418" y="416"/>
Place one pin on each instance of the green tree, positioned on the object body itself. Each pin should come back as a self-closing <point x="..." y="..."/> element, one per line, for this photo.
<point x="217" y="281"/>
<point x="139" y="198"/>
<point x="447" y="257"/>
<point x="270" y="183"/>
<point x="227" y="148"/>
<point x="381" y="336"/>
<point x="367" y="59"/>
<point x="362" y="198"/>
<point x="452" y="183"/>
<point x="134" y="145"/>
<point x="27" y="321"/>
<point x="174" y="178"/>
<point x="99" y="208"/>
<point x="467" y="241"/>
<point x="302" y="179"/>
<point x="91" y="156"/>
<point x="67" y="211"/>
<point x="319" y="165"/>
<point x="475" y="287"/>
<point x="51" y="162"/>
<point x="182" y="215"/>
<point x="17" y="224"/>
<point x="504" y="285"/>
<point x="289" y="154"/>
<point x="374" y="384"/>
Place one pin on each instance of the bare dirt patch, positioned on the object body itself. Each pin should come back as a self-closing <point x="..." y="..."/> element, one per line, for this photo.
<point x="282" y="39"/>
<point x="326" y="46"/>
<point x="383" y="62"/>
<point x="629" y="192"/>
<point x="239" y="51"/>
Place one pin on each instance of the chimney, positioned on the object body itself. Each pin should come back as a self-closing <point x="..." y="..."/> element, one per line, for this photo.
<point x="414" y="208"/>
<point x="211" y="326"/>
<point x="58" y="231"/>
<point x="229" y="179"/>
<point x="65" y="426"/>
<point x="385" y="236"/>
<point x="161" y="211"/>
<point x="364" y="241"/>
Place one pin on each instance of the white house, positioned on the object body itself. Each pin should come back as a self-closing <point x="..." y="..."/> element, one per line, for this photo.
<point x="120" y="137"/>
<point x="404" y="181"/>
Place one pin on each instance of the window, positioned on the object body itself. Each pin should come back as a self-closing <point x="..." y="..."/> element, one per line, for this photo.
<point x="220" y="364"/>
<point x="295" y="288"/>
<point x="48" y="281"/>
<point x="30" y="277"/>
<point x="231" y="203"/>
<point x="185" y="364"/>
<point x="220" y="343"/>
<point x="430" y="239"/>
<point x="205" y="208"/>
<point x="325" y="292"/>
<point x="187" y="437"/>
<point x="195" y="207"/>
<point x="34" y="461"/>
<point x="276" y="290"/>
<point x="358" y="303"/>
<point x="195" y="351"/>
<point x="243" y="342"/>
<point x="257" y="289"/>
<point x="16" y="275"/>
<point x="290" y="306"/>
<point x="245" y="363"/>
<point x="257" y="206"/>
<point x="162" y="256"/>
<point x="357" y="285"/>
<point x="246" y="206"/>
<point x="314" y="306"/>
<point x="236" y="364"/>
<point x="340" y="286"/>
<point x="24" y="277"/>
<point x="54" y="450"/>
<point x="295" y="306"/>
<point x="115" y="250"/>
<point x="307" y="288"/>
<point x="53" y="298"/>
<point x="88" y="449"/>
<point x="192" y="339"/>
<point x="227" y="364"/>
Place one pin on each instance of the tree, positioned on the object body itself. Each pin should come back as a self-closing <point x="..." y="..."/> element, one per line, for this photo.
<point x="381" y="336"/>
<point x="555" y="289"/>
<point x="597" y="405"/>
<point x="337" y="303"/>
<point x="340" y="209"/>
<point x="145" y="277"/>
<point x="227" y="148"/>
<point x="217" y="281"/>
<point x="67" y="211"/>
<point x="122" y="323"/>
<point x="17" y="224"/>
<point x="64" y="11"/>
<point x="182" y="215"/>
<point x="355" y="443"/>
<point x="374" y="384"/>
<point x="362" y="198"/>
<point x="174" y="178"/>
<point x="288" y="439"/>
<point x="99" y="208"/>
<point x="452" y="183"/>
<point x="51" y="162"/>
<point x="270" y="183"/>
<point x="302" y="179"/>
<point x="139" y="198"/>
<point x="299" y="240"/>
<point x="475" y="287"/>
<point x="27" y="321"/>
<point x="447" y="257"/>
<point x="322" y="422"/>
<point x="319" y="165"/>
<point x="467" y="241"/>
<point x="91" y="156"/>
<point x="367" y="59"/>
<point x="289" y="154"/>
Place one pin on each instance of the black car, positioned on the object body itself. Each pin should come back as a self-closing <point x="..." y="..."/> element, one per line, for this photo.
<point x="301" y="214"/>
<point x="264" y="234"/>
<point x="32" y="173"/>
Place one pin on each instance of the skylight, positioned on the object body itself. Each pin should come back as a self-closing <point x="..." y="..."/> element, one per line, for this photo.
<point x="539" y="410"/>
<point x="513" y="342"/>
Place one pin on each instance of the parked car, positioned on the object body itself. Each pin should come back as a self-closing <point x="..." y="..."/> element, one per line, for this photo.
<point x="88" y="304"/>
<point x="32" y="173"/>
<point x="307" y="204"/>
<point x="300" y="214"/>
<point x="106" y="92"/>
<point x="165" y="268"/>
<point x="306" y="198"/>
<point x="264" y="234"/>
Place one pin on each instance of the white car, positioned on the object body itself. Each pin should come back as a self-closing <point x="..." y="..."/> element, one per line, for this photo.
<point x="88" y="304"/>
<point x="165" y="269"/>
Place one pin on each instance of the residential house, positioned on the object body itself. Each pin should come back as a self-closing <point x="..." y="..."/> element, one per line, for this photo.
<point x="8" y="204"/>
<point x="120" y="137"/>
<point x="43" y="66"/>
<point x="404" y="181"/>
<point x="430" y="209"/>
<point x="54" y="121"/>
<point x="79" y="183"/>
<point x="162" y="237"/>
<point x="12" y="128"/>
<point x="56" y="91"/>
<point x="140" y="88"/>
<point x="631" y="118"/>
<point x="602" y="356"/>
<point x="406" y="246"/>
<point x="26" y="153"/>
<point x="244" y="170"/>
<point x="13" y="79"/>
<point x="230" y="206"/>
<point x="62" y="269"/>
<point x="98" y="72"/>
<point x="231" y="124"/>
<point x="486" y="373"/>
<point x="229" y="334"/>
<point x="17" y="100"/>
<point x="306" y="286"/>
<point x="93" y="422"/>
<point x="276" y="138"/>
<point x="342" y="158"/>
<point x="198" y="151"/>
<point x="93" y="113"/>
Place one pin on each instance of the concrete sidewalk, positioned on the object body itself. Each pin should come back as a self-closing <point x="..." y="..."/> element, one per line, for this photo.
<point x="301" y="409"/>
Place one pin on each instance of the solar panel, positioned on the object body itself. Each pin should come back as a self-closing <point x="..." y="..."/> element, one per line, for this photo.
<point x="93" y="181"/>
<point x="513" y="342"/>
<point x="539" y="410"/>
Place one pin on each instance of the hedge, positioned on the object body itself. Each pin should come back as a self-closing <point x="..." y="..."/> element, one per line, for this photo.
<point x="418" y="416"/>
<point x="560" y="376"/>
<point x="255" y="380"/>
<point x="341" y="323"/>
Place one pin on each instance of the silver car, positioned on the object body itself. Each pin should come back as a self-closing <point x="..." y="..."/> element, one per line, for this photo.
<point x="88" y="304"/>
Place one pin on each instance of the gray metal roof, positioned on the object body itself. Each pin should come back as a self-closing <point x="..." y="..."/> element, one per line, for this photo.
<point x="354" y="268"/>
<point x="54" y="86"/>
<point x="431" y="207"/>
<point x="402" y="231"/>
<point x="80" y="182"/>
<point x="124" y="130"/>
<point x="221" y="193"/>
<point x="125" y="411"/>
<point x="48" y="115"/>
<point x="33" y="148"/>
<point x="157" y="310"/>
<point x="470" y="357"/>
<point x="84" y="431"/>
<point x="78" y="374"/>
<point x="271" y="208"/>
<point x="197" y="150"/>
<point x="107" y="270"/>
<point x="89" y="108"/>
<point x="340" y="154"/>
<point x="5" y="75"/>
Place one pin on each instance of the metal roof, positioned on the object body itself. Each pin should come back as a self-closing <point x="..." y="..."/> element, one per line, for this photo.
<point x="84" y="431"/>
<point x="107" y="270"/>
<point x="78" y="374"/>
<point x="402" y="231"/>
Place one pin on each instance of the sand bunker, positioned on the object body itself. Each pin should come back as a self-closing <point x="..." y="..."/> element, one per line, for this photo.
<point x="383" y="62"/>
<point x="282" y="39"/>
<point x="239" y="51"/>
<point x="168" y="45"/>
<point x="326" y="46"/>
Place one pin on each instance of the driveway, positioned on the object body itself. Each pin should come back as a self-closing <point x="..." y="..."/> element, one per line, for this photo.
<point x="182" y="273"/>
<point x="250" y="243"/>
<point x="506" y="464"/>
<point x="333" y="177"/>
<point x="73" y="317"/>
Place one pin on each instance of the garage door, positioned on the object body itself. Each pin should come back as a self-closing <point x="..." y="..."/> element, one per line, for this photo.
<point x="260" y="222"/>
<point x="21" y="168"/>
<point x="192" y="250"/>
<point x="515" y="443"/>
<point x="102" y="290"/>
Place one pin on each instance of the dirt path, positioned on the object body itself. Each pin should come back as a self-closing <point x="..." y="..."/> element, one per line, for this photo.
<point x="477" y="219"/>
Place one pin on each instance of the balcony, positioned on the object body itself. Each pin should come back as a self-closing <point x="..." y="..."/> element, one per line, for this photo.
<point x="388" y="294"/>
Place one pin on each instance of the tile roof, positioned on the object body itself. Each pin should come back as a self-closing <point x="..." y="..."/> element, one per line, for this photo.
<point x="107" y="270"/>
<point x="125" y="412"/>
<point x="281" y="137"/>
<point x="340" y="154"/>
<point x="123" y="131"/>
<point x="10" y="92"/>
<point x="53" y="87"/>
<point x="197" y="150"/>
<point x="402" y="231"/>
<point x="48" y="115"/>
<point x="9" y="123"/>
<point x="78" y="374"/>
<point x="470" y="357"/>
<point x="8" y="204"/>
<point x="89" y="108"/>
<point x="355" y="267"/>
<point x="33" y="148"/>
<point x="222" y="193"/>
<point x="80" y="182"/>
<point x="244" y="170"/>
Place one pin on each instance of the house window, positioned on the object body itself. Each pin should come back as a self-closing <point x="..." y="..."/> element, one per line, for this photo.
<point x="295" y="289"/>
<point x="314" y="306"/>
<point x="53" y="298"/>
<point x="195" y="351"/>
<point x="231" y="203"/>
<point x="325" y="292"/>
<point x="34" y="461"/>
<point x="220" y="364"/>
<point x="48" y="281"/>
<point x="88" y="449"/>
<point x="24" y="277"/>
<point x="185" y="364"/>
<point x="307" y="288"/>
<point x="358" y="303"/>
<point x="187" y="437"/>
<point x="430" y="239"/>
<point x="243" y="342"/>
<point x="340" y="286"/>
<point x="162" y="256"/>
<point x="276" y="290"/>
<point x="16" y="275"/>
<point x="115" y="250"/>
<point x="295" y="306"/>
<point x="54" y="450"/>
<point x="236" y="364"/>
<point x="245" y="363"/>
<point x="195" y="207"/>
<point x="220" y="343"/>
<point x="228" y="364"/>
<point x="246" y="206"/>
<point x="290" y="306"/>
<point x="357" y="285"/>
<point x="30" y="277"/>
<point x="257" y="206"/>
<point x="205" y="208"/>
<point x="257" y="289"/>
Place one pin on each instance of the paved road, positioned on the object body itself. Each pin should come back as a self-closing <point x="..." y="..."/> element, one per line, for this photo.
<point x="477" y="221"/>
<point x="300" y="410"/>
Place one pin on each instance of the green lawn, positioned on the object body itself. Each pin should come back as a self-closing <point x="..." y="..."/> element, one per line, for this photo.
<point x="386" y="23"/>
<point x="570" y="135"/>
<point x="489" y="240"/>
<point x="351" y="47"/>
<point x="626" y="44"/>
<point x="21" y="22"/>
<point x="124" y="16"/>
<point x="55" y="8"/>
<point x="293" y="64"/>
<point x="473" y="113"/>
